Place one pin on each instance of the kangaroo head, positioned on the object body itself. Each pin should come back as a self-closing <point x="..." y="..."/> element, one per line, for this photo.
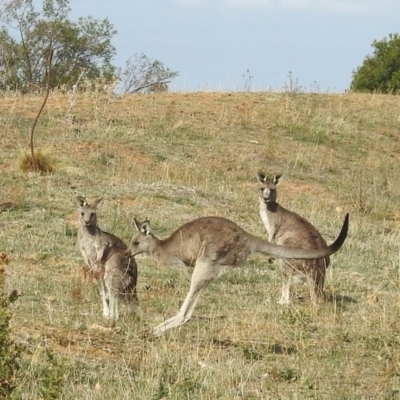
<point x="268" y="193"/>
<point x="87" y="212"/>
<point x="143" y="241"/>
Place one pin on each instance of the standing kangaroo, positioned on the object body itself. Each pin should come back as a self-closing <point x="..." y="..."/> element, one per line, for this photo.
<point x="287" y="228"/>
<point x="212" y="245"/>
<point x="105" y="255"/>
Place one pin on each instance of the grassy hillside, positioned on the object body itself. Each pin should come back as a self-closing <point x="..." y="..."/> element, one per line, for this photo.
<point x="174" y="157"/>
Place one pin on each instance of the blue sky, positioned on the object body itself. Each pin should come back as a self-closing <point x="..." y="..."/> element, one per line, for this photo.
<point x="213" y="43"/>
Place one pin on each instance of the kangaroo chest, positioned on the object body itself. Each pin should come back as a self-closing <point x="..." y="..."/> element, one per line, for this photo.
<point x="87" y="245"/>
<point x="270" y="221"/>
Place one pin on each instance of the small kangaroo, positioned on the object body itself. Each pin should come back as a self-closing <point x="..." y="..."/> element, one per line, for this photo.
<point x="287" y="228"/>
<point x="212" y="245"/>
<point x="106" y="257"/>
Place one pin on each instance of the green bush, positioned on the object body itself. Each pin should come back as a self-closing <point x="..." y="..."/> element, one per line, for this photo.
<point x="9" y="351"/>
<point x="380" y="71"/>
<point x="51" y="378"/>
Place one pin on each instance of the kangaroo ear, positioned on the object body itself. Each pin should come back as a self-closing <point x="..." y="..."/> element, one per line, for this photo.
<point x="136" y="224"/>
<point x="261" y="177"/>
<point x="277" y="178"/>
<point x="145" y="228"/>
<point x="81" y="201"/>
<point x="96" y="202"/>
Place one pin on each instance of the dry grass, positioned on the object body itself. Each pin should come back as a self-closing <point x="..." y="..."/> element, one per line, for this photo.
<point x="174" y="157"/>
<point x="40" y="163"/>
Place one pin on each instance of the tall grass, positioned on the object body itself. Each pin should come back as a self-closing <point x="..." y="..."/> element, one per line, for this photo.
<point x="171" y="158"/>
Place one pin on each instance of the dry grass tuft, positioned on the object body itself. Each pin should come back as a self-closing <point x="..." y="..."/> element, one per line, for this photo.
<point x="41" y="163"/>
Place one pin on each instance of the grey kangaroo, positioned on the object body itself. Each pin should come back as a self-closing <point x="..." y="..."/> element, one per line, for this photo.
<point x="212" y="245"/>
<point x="287" y="228"/>
<point x="105" y="255"/>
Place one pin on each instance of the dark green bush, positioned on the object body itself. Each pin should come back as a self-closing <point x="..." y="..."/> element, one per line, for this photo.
<point x="9" y="351"/>
<point x="380" y="71"/>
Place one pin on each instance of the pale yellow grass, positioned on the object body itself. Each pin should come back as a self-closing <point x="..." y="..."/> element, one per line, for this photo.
<point x="172" y="157"/>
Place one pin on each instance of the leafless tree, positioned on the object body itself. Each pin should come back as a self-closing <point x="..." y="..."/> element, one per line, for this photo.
<point x="144" y="75"/>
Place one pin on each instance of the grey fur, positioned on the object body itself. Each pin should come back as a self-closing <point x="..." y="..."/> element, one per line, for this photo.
<point x="212" y="245"/>
<point x="287" y="228"/>
<point x="105" y="255"/>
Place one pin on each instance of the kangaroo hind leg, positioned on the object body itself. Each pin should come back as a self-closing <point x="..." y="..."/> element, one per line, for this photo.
<point x="203" y="274"/>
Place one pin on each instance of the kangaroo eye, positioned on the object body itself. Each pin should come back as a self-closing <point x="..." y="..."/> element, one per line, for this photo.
<point x="135" y="243"/>
<point x="82" y="214"/>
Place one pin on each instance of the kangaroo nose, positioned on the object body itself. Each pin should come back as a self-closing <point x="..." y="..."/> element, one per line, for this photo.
<point x="266" y="195"/>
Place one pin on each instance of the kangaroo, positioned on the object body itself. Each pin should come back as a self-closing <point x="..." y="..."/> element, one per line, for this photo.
<point x="106" y="257"/>
<point x="212" y="245"/>
<point x="287" y="228"/>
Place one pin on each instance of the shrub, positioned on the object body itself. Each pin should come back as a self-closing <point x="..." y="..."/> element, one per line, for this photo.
<point x="380" y="71"/>
<point x="9" y="351"/>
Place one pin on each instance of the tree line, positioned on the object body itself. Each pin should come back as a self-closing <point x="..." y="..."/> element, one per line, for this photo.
<point x="82" y="50"/>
